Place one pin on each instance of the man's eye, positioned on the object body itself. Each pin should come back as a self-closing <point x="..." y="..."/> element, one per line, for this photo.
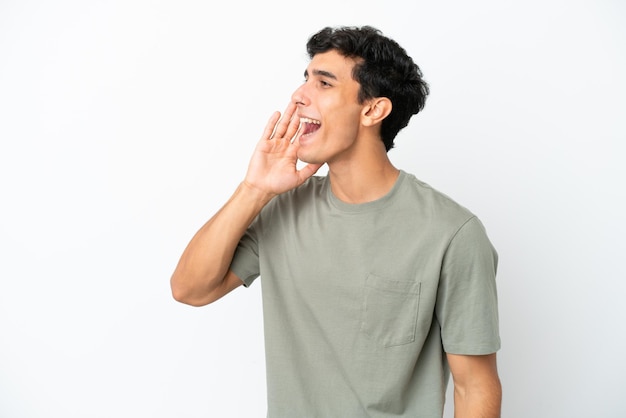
<point x="324" y="83"/>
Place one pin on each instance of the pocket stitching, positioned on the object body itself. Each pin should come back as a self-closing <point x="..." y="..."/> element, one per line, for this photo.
<point x="405" y="332"/>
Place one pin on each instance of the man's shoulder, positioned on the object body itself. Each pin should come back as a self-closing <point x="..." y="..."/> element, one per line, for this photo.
<point x="307" y="193"/>
<point x="431" y="199"/>
<point x="312" y="187"/>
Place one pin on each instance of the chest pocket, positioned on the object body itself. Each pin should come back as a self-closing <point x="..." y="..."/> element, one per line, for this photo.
<point x="389" y="310"/>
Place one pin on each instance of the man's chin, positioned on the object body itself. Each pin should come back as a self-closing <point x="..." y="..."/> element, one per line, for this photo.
<point x="308" y="159"/>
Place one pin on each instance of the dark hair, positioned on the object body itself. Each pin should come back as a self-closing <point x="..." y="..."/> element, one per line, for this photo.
<point x="383" y="69"/>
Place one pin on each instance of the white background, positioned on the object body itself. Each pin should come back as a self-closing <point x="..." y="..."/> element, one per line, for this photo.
<point x="125" y="125"/>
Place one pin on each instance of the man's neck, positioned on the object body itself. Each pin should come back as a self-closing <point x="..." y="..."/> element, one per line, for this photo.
<point x="362" y="181"/>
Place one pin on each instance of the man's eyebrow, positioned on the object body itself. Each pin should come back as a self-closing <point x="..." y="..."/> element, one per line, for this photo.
<point x="321" y="73"/>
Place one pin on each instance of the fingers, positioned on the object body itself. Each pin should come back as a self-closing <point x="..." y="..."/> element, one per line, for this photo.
<point x="268" y="132"/>
<point x="294" y="129"/>
<point x="286" y="126"/>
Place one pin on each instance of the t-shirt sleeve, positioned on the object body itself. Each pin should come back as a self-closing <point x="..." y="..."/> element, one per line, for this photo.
<point x="467" y="302"/>
<point x="245" y="263"/>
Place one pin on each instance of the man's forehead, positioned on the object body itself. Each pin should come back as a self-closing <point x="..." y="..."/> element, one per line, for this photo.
<point x="331" y="64"/>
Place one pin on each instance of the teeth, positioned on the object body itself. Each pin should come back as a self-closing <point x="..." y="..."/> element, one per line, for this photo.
<point x="307" y="120"/>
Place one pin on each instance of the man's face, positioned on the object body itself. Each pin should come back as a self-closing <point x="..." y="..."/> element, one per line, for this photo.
<point x="328" y="109"/>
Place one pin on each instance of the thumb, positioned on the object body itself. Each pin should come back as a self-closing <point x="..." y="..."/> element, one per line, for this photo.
<point x="307" y="171"/>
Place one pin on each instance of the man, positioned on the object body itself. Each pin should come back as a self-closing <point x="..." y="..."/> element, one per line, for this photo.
<point x="375" y="286"/>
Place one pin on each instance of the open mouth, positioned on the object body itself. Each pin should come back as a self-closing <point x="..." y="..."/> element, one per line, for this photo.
<point x="308" y="126"/>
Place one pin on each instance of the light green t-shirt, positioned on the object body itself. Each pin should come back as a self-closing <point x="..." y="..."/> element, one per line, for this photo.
<point x="362" y="301"/>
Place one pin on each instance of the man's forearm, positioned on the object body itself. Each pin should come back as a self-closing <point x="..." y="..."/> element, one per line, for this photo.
<point x="205" y="262"/>
<point x="483" y="401"/>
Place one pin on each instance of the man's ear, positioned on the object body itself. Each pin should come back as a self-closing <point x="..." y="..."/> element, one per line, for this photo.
<point x="375" y="111"/>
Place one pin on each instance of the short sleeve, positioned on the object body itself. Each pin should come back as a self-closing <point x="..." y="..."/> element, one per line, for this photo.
<point x="245" y="263"/>
<point x="467" y="302"/>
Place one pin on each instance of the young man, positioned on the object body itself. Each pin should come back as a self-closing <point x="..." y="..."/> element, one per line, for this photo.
<point x="375" y="286"/>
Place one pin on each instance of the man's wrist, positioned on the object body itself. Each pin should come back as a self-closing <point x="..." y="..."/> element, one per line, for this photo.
<point x="256" y="193"/>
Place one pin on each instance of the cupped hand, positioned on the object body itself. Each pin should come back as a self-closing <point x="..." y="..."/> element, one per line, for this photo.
<point x="273" y="166"/>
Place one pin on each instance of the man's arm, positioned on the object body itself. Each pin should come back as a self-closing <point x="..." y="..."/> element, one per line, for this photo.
<point x="477" y="388"/>
<point x="202" y="274"/>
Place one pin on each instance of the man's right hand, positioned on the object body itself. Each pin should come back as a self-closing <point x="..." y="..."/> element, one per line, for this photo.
<point x="202" y="274"/>
<point x="272" y="169"/>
